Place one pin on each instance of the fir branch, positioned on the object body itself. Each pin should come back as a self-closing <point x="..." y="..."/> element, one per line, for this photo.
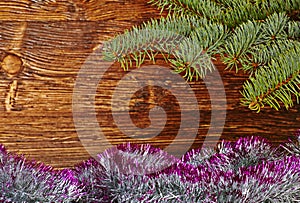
<point x="180" y="37"/>
<point x="154" y="36"/>
<point x="263" y="54"/>
<point x="241" y="12"/>
<point x="191" y="59"/>
<point x="237" y="46"/>
<point x="205" y="8"/>
<point x="274" y="27"/>
<point x="281" y="5"/>
<point x="198" y="30"/>
<point x="231" y="13"/>
<point x="254" y="44"/>
<point x="294" y="30"/>
<point x="274" y="84"/>
<point x="211" y="36"/>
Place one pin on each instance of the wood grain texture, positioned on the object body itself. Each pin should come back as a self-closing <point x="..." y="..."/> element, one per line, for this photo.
<point x="53" y="38"/>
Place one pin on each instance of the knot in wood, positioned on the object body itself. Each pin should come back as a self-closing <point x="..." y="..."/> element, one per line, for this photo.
<point x="12" y="65"/>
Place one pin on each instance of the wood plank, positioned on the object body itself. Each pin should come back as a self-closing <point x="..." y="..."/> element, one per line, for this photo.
<point x="53" y="38"/>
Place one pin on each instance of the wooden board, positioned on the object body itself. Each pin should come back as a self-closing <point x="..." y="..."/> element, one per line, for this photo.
<point x="53" y="38"/>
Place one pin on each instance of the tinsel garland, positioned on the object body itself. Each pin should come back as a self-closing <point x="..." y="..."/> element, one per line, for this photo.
<point x="248" y="170"/>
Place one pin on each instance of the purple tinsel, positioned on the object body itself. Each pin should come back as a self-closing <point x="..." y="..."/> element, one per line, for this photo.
<point x="248" y="170"/>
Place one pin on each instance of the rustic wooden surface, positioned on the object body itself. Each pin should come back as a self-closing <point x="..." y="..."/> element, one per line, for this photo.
<point x="43" y="45"/>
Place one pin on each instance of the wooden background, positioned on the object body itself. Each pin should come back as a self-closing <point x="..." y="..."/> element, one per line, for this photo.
<point x="52" y="39"/>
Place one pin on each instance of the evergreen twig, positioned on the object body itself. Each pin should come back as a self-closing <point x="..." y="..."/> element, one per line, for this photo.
<point x="274" y="83"/>
<point x="170" y="36"/>
<point x="231" y="13"/>
<point x="249" y="35"/>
